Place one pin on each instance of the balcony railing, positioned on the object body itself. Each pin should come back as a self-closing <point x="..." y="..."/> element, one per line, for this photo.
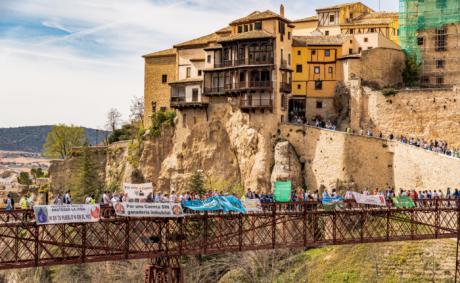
<point x="253" y="103"/>
<point x="244" y="61"/>
<point x="239" y="86"/>
<point x="181" y="102"/>
<point x="284" y="64"/>
<point x="285" y="87"/>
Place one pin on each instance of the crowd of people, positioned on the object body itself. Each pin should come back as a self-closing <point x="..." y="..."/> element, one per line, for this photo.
<point x="438" y="146"/>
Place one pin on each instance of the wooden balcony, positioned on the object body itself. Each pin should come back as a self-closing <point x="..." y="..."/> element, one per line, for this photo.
<point x="239" y="86"/>
<point x="244" y="62"/>
<point x="256" y="103"/>
<point x="180" y="102"/>
<point x="285" y="87"/>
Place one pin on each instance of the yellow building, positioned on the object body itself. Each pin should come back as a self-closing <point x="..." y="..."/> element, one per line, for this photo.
<point x="160" y="69"/>
<point x="317" y="69"/>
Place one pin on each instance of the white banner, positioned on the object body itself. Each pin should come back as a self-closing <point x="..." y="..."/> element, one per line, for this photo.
<point x="369" y="199"/>
<point x="74" y="213"/>
<point x="148" y="209"/>
<point x="138" y="192"/>
<point x="252" y="205"/>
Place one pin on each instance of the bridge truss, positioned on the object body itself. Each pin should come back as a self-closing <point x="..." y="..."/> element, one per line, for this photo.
<point x="165" y="240"/>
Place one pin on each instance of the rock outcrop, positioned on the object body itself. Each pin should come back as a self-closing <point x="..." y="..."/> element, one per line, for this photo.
<point x="287" y="165"/>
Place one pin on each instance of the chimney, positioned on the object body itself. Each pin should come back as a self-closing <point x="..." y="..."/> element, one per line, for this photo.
<point x="282" y="10"/>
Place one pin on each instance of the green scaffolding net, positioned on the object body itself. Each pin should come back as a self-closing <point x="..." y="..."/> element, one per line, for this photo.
<point x="418" y="15"/>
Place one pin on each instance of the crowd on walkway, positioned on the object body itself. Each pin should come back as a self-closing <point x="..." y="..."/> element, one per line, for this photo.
<point x="438" y="146"/>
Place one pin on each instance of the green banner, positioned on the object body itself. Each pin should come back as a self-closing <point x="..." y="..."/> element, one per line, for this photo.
<point x="403" y="202"/>
<point x="282" y="191"/>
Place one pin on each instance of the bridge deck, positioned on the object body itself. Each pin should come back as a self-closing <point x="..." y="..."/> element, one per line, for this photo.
<point x="293" y="225"/>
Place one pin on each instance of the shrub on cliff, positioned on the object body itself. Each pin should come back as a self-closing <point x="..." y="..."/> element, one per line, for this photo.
<point x="196" y="183"/>
<point x="160" y="119"/>
<point x="411" y="73"/>
<point x="126" y="132"/>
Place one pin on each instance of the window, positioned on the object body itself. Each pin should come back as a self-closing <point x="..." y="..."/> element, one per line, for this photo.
<point x="372" y="30"/>
<point x="240" y="29"/>
<point x="195" y="95"/>
<point x="440" y="80"/>
<point x="209" y="58"/>
<point x="188" y="72"/>
<point x="258" y="25"/>
<point x="318" y="85"/>
<point x="317" y="70"/>
<point x="440" y="64"/>
<point x="313" y="52"/>
<point x="425" y="79"/>
<point x="289" y="35"/>
<point x="327" y="52"/>
<point x="329" y="70"/>
<point x="282" y="27"/>
<point x="326" y="32"/>
<point x="350" y="51"/>
<point x="420" y="40"/>
<point x="199" y="73"/>
<point x="366" y="39"/>
<point x="299" y="86"/>
<point x="289" y="59"/>
<point x="298" y="52"/>
<point x="351" y="41"/>
<point x="360" y="49"/>
<point x="163" y="109"/>
<point x="250" y="26"/>
<point x="298" y="68"/>
<point x="154" y="106"/>
<point x="283" y="101"/>
<point x="440" y="39"/>
<point x="246" y="28"/>
<point x="319" y="104"/>
<point x="164" y="79"/>
<point x="331" y="18"/>
<point x="352" y="31"/>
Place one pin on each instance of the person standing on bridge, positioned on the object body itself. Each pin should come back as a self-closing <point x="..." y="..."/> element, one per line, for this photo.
<point x="67" y="198"/>
<point x="9" y="203"/>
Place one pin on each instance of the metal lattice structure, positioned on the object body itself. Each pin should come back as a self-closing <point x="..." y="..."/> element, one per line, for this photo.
<point x="292" y="225"/>
<point x="430" y="31"/>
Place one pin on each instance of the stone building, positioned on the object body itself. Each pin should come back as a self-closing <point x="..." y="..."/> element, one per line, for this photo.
<point x="159" y="70"/>
<point x="187" y="90"/>
<point x="349" y="19"/>
<point x="253" y="63"/>
<point x="429" y="30"/>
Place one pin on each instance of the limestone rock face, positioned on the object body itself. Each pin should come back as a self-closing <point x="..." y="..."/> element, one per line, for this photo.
<point x="287" y="165"/>
<point x="223" y="144"/>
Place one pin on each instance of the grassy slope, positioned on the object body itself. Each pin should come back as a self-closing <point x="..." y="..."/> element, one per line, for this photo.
<point x="419" y="261"/>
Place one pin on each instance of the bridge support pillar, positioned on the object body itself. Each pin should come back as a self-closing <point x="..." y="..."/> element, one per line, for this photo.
<point x="164" y="270"/>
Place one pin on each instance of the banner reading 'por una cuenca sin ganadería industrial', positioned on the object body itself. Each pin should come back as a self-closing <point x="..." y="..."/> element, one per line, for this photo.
<point x="74" y="213"/>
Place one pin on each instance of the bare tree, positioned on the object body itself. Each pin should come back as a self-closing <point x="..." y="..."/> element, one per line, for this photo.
<point x="113" y="119"/>
<point x="137" y="109"/>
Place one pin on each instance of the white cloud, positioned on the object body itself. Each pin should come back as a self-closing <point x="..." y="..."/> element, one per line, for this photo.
<point x="95" y="64"/>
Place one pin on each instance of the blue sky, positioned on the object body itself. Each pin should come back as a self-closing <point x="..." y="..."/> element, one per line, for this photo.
<point x="67" y="61"/>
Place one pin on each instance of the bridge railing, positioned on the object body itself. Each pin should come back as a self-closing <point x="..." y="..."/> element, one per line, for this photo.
<point x="107" y="211"/>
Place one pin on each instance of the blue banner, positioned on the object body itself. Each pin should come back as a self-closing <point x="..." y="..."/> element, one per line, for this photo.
<point x="224" y="203"/>
<point x="331" y="200"/>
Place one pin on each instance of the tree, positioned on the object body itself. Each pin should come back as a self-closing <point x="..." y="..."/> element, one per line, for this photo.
<point x="61" y="139"/>
<point x="89" y="180"/>
<point x="196" y="183"/>
<point x="411" y="73"/>
<point x="37" y="173"/>
<point x="137" y="109"/>
<point x="24" y="178"/>
<point x="113" y="119"/>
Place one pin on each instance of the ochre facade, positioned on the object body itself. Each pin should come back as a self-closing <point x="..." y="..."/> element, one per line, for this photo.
<point x="160" y="69"/>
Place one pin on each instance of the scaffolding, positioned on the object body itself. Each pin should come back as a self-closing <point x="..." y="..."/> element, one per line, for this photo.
<point x="429" y="30"/>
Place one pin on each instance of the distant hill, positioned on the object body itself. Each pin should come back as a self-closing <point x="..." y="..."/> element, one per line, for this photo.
<point x="31" y="139"/>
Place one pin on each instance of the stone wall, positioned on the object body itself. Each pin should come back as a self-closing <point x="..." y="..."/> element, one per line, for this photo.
<point x="65" y="174"/>
<point x="378" y="66"/>
<point x="424" y="113"/>
<point x="334" y="158"/>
